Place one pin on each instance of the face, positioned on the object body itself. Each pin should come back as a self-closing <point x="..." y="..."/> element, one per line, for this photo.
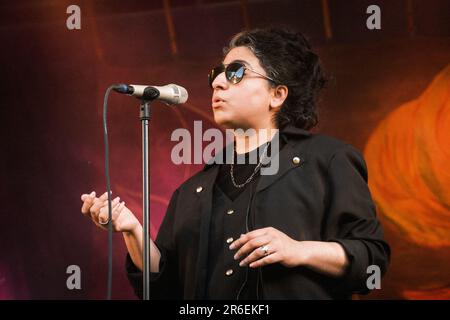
<point x="247" y="104"/>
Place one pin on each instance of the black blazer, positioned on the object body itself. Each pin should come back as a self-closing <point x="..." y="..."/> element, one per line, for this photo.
<point x="324" y="197"/>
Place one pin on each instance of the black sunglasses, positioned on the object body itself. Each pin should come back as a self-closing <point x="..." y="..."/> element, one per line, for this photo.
<point x="234" y="72"/>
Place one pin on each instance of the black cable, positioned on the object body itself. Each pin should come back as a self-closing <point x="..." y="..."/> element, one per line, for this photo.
<point x="108" y="190"/>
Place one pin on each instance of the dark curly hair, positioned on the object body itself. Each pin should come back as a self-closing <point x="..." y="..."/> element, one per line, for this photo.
<point x="287" y="57"/>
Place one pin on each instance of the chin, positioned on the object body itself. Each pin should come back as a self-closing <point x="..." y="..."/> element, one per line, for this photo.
<point x="221" y="119"/>
<point x="230" y="125"/>
<point x="222" y="123"/>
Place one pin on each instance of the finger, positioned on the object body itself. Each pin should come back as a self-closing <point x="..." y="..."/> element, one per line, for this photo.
<point x="114" y="203"/>
<point x="256" y="254"/>
<point x="104" y="196"/>
<point x="246" y="237"/>
<point x="98" y="204"/>
<point x="87" y="204"/>
<point x="88" y="201"/>
<point x="118" y="210"/>
<point x="85" y="195"/>
<point x="116" y="214"/>
<point x="95" y="208"/>
<point x="251" y="245"/>
<point x="104" y="205"/>
<point x="103" y="215"/>
<point x="104" y="227"/>
<point x="270" y="259"/>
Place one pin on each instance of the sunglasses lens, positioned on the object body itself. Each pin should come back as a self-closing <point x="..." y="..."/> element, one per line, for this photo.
<point x="235" y="72"/>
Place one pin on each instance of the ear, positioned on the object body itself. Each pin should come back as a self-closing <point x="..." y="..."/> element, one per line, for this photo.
<point x="278" y="95"/>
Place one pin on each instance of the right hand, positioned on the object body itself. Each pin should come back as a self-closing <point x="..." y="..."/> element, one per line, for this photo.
<point x="123" y="220"/>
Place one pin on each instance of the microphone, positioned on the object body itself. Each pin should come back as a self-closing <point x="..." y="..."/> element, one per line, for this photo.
<point x="169" y="94"/>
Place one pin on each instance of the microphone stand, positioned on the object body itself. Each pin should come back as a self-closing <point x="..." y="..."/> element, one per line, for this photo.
<point x="145" y="118"/>
<point x="147" y="95"/>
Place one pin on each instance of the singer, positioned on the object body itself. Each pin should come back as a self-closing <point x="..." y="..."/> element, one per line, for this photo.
<point x="308" y="231"/>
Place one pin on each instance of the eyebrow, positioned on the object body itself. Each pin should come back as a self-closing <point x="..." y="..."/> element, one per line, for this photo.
<point x="241" y="61"/>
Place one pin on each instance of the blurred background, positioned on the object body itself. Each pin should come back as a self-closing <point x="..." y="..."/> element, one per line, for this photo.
<point x="389" y="97"/>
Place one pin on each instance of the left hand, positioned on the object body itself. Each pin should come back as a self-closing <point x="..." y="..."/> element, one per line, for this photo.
<point x="266" y="246"/>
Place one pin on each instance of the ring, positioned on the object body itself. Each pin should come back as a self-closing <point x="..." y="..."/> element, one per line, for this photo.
<point x="265" y="249"/>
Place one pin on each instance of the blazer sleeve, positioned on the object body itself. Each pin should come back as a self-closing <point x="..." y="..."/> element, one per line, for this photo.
<point x="164" y="284"/>
<point x="352" y="221"/>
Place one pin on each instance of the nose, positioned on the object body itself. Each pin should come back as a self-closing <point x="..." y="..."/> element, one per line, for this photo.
<point x="220" y="82"/>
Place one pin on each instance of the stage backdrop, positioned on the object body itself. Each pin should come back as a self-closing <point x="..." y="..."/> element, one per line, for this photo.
<point x="389" y="97"/>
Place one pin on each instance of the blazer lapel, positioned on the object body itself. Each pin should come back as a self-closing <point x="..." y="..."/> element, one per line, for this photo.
<point x="288" y="158"/>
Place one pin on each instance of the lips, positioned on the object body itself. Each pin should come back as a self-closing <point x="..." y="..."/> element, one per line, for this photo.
<point x="217" y="102"/>
<point x="217" y="99"/>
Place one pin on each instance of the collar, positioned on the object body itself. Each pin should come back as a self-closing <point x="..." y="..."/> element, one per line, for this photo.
<point x="289" y="133"/>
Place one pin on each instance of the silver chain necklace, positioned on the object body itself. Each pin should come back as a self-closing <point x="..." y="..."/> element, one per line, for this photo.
<point x="253" y="174"/>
